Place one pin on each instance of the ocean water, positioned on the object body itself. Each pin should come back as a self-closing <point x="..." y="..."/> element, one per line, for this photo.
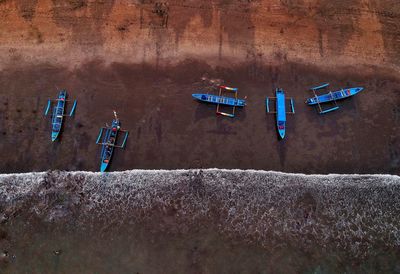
<point x="199" y="221"/>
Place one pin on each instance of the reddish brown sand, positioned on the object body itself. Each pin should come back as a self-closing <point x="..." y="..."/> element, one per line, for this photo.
<point x="145" y="60"/>
<point x="220" y="32"/>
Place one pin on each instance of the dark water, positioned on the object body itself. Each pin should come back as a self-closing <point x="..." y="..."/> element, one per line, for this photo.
<point x="199" y="221"/>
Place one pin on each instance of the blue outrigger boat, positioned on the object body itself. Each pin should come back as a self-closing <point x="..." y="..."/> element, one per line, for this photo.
<point x="57" y="116"/>
<point x="222" y="100"/>
<point x="332" y="96"/>
<point x="109" y="141"/>
<point x="280" y="105"/>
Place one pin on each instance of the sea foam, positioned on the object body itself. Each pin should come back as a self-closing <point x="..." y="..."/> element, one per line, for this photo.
<point x="356" y="213"/>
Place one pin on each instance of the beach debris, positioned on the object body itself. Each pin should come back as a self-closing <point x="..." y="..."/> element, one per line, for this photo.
<point x="57" y="252"/>
<point x="280" y="110"/>
<point x="3" y="218"/>
<point x="330" y="97"/>
<point x="58" y="113"/>
<point x="109" y="141"/>
<point x="211" y="81"/>
<point x="161" y="9"/>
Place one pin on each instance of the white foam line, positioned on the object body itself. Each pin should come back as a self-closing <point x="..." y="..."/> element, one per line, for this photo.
<point x="180" y="171"/>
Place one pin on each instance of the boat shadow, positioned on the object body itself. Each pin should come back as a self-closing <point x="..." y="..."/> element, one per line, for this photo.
<point x="222" y="127"/>
<point x="282" y="152"/>
<point x="203" y="111"/>
<point x="207" y="110"/>
<point x="281" y="144"/>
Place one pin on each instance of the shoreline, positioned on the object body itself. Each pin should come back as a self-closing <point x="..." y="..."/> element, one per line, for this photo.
<point x="177" y="171"/>
<point x="193" y="192"/>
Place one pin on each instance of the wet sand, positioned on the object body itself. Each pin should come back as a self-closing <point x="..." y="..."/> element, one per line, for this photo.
<point x="169" y="130"/>
<point x="130" y="249"/>
<point x="210" y="221"/>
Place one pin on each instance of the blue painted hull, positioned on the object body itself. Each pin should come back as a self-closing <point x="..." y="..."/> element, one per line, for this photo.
<point x="333" y="96"/>
<point x="103" y="167"/>
<point x="110" y="137"/>
<point x="280" y="113"/>
<point x="215" y="99"/>
<point x="54" y="135"/>
<point x="58" y="115"/>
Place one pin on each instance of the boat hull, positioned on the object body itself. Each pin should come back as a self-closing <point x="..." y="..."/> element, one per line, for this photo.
<point x="109" y="140"/>
<point x="281" y="113"/>
<point x="58" y="115"/>
<point x="54" y="135"/>
<point x="282" y="133"/>
<point x="103" y="167"/>
<point x="221" y="100"/>
<point x="333" y="96"/>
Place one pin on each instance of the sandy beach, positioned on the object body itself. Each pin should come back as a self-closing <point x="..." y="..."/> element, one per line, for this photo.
<point x="145" y="59"/>
<point x="169" y="130"/>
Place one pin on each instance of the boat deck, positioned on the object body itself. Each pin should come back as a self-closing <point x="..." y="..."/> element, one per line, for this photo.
<point x="216" y="99"/>
<point x="333" y="96"/>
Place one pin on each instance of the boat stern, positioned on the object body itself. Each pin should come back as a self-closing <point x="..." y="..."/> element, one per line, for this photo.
<point x="356" y="90"/>
<point x="54" y="135"/>
<point x="62" y="95"/>
<point x="103" y="166"/>
<point x="311" y="101"/>
<point x="241" y="102"/>
<point x="199" y="96"/>
<point x="281" y="129"/>
<point x="281" y="133"/>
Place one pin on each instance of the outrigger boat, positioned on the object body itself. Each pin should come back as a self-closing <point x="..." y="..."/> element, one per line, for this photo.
<point x="222" y="100"/>
<point x="109" y="141"/>
<point x="57" y="116"/>
<point x="280" y="105"/>
<point x="332" y="96"/>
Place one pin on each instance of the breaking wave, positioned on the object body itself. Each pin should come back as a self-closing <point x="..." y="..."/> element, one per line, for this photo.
<point x="355" y="213"/>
